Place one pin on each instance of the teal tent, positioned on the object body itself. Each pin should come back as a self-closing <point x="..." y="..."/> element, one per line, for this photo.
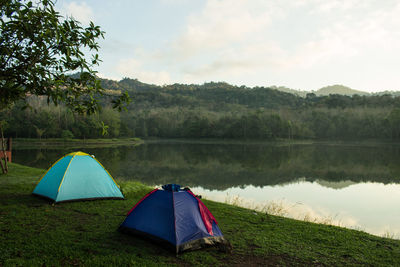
<point x="77" y="176"/>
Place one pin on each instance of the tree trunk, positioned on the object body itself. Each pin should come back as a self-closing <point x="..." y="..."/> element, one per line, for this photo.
<point x="2" y="166"/>
<point x="3" y="147"/>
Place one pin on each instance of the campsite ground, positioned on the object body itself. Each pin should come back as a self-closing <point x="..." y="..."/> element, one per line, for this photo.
<point x="36" y="233"/>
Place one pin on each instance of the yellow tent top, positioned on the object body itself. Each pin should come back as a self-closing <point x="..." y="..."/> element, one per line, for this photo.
<point x="78" y="153"/>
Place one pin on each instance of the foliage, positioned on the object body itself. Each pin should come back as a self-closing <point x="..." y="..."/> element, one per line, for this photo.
<point x="67" y="134"/>
<point x="217" y="110"/>
<point x="39" y="51"/>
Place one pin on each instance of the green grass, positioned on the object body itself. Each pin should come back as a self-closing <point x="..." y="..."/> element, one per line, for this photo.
<point x="59" y="142"/>
<point x="35" y="233"/>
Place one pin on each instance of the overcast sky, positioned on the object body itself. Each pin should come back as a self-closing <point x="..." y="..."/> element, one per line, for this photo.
<point x="301" y="44"/>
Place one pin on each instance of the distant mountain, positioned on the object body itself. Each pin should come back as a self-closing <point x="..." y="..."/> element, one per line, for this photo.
<point x="324" y="91"/>
<point x="392" y="93"/>
<point x="339" y="90"/>
<point x="335" y="185"/>
<point x="289" y="90"/>
<point x="136" y="85"/>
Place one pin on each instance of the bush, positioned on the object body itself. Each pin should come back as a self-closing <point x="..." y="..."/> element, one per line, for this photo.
<point x="67" y="134"/>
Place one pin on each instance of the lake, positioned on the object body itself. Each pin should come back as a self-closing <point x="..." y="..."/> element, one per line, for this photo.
<point x="347" y="184"/>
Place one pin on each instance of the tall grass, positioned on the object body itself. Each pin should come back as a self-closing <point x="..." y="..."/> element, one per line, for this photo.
<point x="284" y="209"/>
<point x="293" y="210"/>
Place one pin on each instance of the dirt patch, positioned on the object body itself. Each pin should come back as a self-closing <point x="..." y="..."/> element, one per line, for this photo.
<point x="236" y="259"/>
<point x="270" y="260"/>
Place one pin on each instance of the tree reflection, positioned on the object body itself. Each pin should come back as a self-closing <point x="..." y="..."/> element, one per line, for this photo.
<point x="221" y="166"/>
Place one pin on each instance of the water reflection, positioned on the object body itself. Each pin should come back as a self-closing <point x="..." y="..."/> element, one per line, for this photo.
<point x="351" y="185"/>
<point x="370" y="207"/>
<point x="218" y="166"/>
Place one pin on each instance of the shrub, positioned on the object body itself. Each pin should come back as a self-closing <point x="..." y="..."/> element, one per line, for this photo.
<point x="67" y="134"/>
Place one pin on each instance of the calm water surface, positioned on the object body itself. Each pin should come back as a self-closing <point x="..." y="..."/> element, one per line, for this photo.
<point x="356" y="186"/>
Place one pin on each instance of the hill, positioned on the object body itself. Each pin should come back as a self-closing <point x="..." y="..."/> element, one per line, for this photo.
<point x="291" y="91"/>
<point x="134" y="85"/>
<point x="338" y="89"/>
<point x="217" y="110"/>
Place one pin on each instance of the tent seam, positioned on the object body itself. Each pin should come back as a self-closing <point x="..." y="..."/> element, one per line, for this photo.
<point x="50" y="169"/>
<point x="176" y="237"/>
<point x="141" y="200"/>
<point x="107" y="172"/>
<point x="62" y="180"/>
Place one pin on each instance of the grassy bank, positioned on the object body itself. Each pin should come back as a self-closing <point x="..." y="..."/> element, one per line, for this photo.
<point x="36" y="233"/>
<point x="59" y="142"/>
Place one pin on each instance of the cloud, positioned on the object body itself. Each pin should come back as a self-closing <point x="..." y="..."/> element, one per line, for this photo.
<point x="174" y="2"/>
<point x="224" y="38"/>
<point x="136" y="69"/>
<point x="221" y="24"/>
<point x="323" y="6"/>
<point x="79" y="11"/>
<point x="240" y="39"/>
<point x="376" y="33"/>
<point x="240" y="60"/>
<point x="244" y="41"/>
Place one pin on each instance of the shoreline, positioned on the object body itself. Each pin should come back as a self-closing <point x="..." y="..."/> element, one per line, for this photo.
<point x="59" y="142"/>
<point x="18" y="142"/>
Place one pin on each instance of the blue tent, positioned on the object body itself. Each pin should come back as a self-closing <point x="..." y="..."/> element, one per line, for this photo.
<point x="176" y="218"/>
<point x="77" y="176"/>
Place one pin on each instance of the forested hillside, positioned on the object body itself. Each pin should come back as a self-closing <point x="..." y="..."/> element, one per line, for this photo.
<point x="215" y="110"/>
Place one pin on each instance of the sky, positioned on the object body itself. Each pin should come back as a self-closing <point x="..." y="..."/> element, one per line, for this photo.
<point x="300" y="44"/>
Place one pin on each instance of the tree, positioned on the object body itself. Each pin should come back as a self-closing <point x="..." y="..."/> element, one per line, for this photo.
<point x="39" y="50"/>
<point x="67" y="134"/>
<point x="4" y="167"/>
